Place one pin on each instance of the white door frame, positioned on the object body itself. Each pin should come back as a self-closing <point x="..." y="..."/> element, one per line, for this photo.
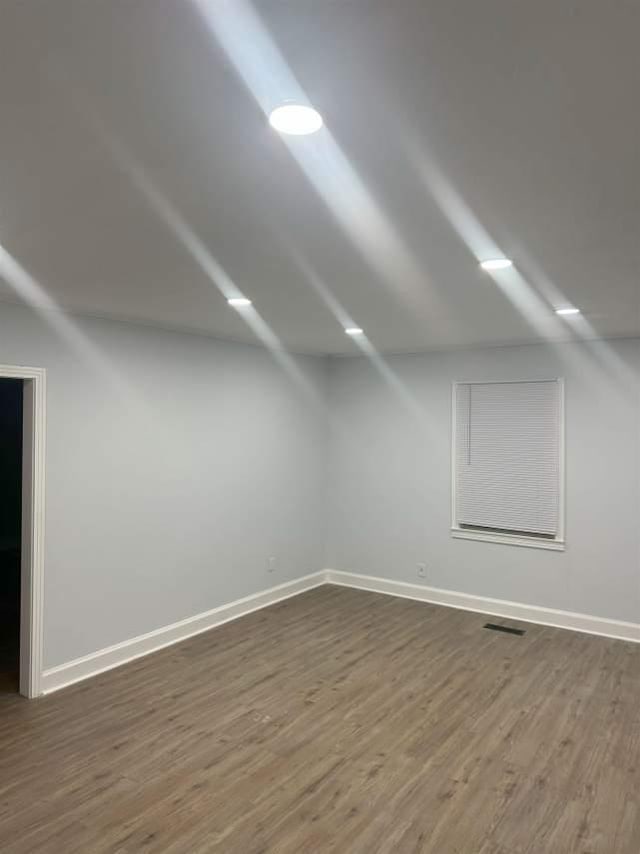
<point x="33" y="506"/>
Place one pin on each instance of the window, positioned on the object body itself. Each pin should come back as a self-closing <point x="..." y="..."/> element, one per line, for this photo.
<point x="508" y="462"/>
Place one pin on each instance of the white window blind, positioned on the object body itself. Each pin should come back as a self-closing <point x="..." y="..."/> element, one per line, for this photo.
<point x="507" y="457"/>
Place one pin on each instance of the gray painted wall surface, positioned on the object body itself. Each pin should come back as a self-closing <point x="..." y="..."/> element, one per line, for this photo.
<point x="390" y="477"/>
<point x="176" y="464"/>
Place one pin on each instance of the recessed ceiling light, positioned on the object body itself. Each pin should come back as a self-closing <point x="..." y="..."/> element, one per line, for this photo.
<point x="567" y="311"/>
<point x="239" y="302"/>
<point x="296" y="119"/>
<point x="496" y="263"/>
<point x="354" y="330"/>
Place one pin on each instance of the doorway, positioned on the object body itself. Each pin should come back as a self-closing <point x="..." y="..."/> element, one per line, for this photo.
<point x="11" y="430"/>
<point x="22" y="402"/>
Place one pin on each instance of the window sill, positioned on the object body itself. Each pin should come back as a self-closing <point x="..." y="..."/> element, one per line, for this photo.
<point x="508" y="539"/>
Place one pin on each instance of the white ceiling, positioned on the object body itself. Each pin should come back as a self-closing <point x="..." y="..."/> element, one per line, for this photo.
<point x="138" y="173"/>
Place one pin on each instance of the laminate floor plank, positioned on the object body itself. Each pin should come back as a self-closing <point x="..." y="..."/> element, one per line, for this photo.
<point x="336" y="722"/>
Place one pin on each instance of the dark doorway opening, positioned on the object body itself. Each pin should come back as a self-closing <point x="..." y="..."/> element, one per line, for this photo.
<point x="11" y="392"/>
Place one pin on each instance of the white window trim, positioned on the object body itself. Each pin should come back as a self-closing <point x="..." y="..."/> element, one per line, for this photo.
<point x="555" y="544"/>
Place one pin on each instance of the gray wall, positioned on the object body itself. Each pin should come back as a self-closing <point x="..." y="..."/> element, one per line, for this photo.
<point x="176" y="464"/>
<point x="390" y="477"/>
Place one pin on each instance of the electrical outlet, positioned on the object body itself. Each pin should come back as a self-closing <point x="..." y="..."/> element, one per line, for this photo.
<point x="271" y="564"/>
<point x="422" y="570"/>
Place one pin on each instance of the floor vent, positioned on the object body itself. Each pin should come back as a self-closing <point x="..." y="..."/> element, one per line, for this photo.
<point x="508" y="629"/>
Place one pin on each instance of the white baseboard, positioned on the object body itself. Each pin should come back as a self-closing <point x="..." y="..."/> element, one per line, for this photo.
<point x="113" y="656"/>
<point x="496" y="607"/>
<point x="120" y="653"/>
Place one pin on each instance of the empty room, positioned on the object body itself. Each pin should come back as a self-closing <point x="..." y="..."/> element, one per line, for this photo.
<point x="319" y="427"/>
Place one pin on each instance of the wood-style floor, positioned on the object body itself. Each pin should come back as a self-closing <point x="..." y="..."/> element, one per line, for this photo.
<point x="339" y="721"/>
